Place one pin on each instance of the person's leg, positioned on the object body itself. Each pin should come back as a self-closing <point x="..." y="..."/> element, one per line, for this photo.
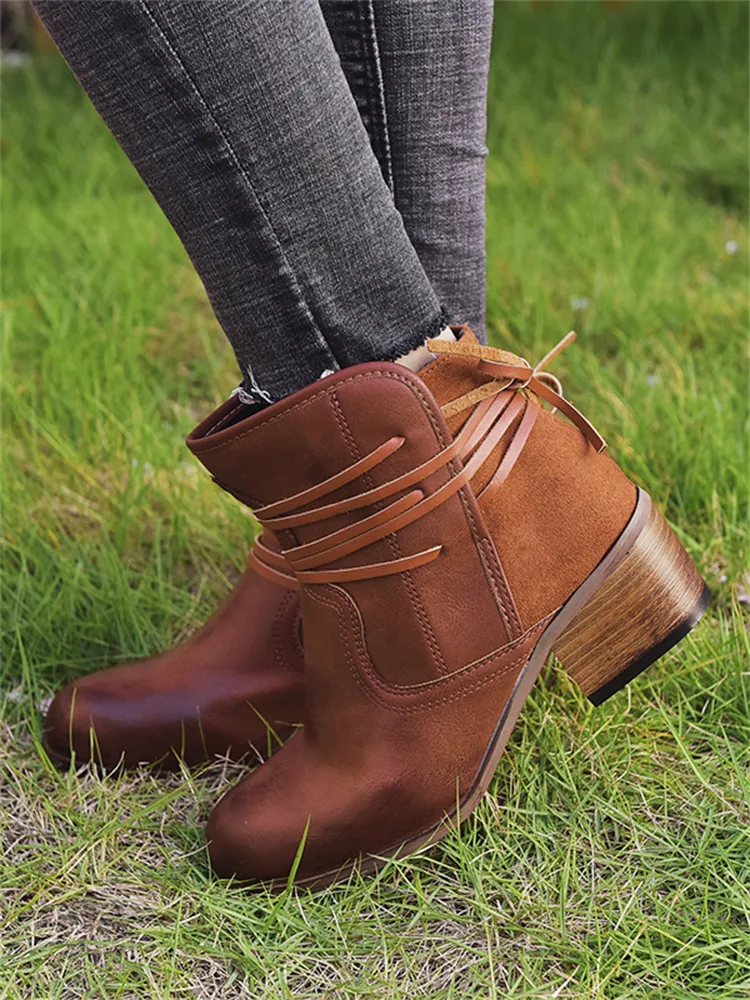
<point x="238" y="116"/>
<point x="418" y="70"/>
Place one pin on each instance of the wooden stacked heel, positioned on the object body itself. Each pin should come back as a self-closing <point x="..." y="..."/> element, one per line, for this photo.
<point x="642" y="599"/>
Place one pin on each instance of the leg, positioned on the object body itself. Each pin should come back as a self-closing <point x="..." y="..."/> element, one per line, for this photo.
<point x="418" y="72"/>
<point x="238" y="117"/>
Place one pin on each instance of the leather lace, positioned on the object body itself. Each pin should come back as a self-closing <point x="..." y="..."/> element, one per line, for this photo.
<point x="305" y="560"/>
<point x="519" y="376"/>
<point x="271" y="565"/>
<point x="496" y="406"/>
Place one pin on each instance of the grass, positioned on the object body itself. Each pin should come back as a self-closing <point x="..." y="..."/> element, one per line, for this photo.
<point x="612" y="858"/>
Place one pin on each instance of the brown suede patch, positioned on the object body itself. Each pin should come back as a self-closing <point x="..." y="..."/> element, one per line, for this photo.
<point x="559" y="512"/>
<point x="561" y="508"/>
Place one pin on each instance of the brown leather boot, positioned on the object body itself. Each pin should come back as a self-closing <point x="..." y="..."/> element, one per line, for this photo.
<point x="234" y="687"/>
<point x="424" y="635"/>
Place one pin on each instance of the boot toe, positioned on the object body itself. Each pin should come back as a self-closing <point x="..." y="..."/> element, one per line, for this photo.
<point x="251" y="842"/>
<point x="77" y="726"/>
<point x="67" y="726"/>
<point x="256" y="830"/>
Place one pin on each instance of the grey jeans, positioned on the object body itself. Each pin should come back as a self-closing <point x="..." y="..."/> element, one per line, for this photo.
<point x="322" y="162"/>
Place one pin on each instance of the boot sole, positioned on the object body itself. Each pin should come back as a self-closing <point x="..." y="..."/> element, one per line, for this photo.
<point x="645" y="570"/>
<point x="159" y="768"/>
<point x="63" y="761"/>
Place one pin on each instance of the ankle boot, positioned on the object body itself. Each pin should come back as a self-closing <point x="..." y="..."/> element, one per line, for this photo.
<point x="233" y="688"/>
<point x="423" y="632"/>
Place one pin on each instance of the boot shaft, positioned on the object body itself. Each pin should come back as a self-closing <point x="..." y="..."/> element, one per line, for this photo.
<point x="371" y="448"/>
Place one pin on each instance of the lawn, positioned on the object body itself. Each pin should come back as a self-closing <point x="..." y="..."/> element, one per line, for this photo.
<point x="612" y="857"/>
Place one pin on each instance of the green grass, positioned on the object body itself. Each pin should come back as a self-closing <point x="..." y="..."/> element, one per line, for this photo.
<point x="612" y="857"/>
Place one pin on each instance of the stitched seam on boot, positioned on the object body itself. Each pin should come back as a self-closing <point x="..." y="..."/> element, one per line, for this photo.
<point x="505" y="600"/>
<point x="456" y="678"/>
<point x="276" y="639"/>
<point x="394" y="545"/>
<point x="410" y="689"/>
<point x="417" y="390"/>
<point x="328" y="392"/>
<point x="428" y="702"/>
<point x="495" y="590"/>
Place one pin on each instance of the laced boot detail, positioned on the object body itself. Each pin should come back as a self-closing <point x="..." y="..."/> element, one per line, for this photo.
<point x="497" y="403"/>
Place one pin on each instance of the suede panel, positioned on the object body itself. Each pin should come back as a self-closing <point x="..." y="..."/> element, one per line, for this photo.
<point x="560" y="510"/>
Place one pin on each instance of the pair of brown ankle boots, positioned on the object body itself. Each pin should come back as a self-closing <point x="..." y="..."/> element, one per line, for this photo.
<point x="427" y="541"/>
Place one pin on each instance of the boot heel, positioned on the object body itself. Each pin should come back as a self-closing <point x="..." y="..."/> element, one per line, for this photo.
<point x="648" y="596"/>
